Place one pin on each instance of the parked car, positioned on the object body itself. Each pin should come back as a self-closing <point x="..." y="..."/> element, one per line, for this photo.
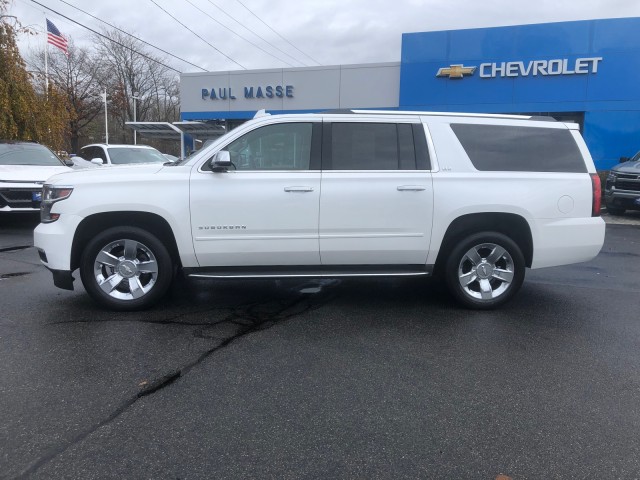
<point x="79" y="163"/>
<point x="113" y="154"/>
<point x="24" y="167"/>
<point x="475" y="197"/>
<point x="622" y="187"/>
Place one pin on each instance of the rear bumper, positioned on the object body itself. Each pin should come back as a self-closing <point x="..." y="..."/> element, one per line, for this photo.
<point x="566" y="241"/>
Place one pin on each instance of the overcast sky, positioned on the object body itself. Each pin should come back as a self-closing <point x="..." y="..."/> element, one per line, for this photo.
<point x="326" y="32"/>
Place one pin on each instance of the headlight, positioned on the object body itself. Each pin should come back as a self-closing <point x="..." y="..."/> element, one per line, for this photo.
<point x="51" y="195"/>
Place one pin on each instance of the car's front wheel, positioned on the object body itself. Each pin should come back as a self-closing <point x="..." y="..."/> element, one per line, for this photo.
<point x="485" y="270"/>
<point x="615" y="210"/>
<point x="126" y="268"/>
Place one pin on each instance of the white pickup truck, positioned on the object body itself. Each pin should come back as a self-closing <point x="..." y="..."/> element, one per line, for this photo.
<point x="476" y="198"/>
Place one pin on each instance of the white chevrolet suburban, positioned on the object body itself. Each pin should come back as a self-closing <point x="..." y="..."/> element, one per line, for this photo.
<point x="475" y="198"/>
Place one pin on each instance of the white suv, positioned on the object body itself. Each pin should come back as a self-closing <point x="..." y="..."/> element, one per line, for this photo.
<point x="24" y="167"/>
<point x="115" y="154"/>
<point x="352" y="193"/>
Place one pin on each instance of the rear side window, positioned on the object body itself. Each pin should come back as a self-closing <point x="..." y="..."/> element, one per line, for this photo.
<point x="520" y="149"/>
<point x="90" y="153"/>
<point x="374" y="146"/>
<point x="86" y="153"/>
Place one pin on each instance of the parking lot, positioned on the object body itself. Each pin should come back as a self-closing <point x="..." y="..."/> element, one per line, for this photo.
<point x="323" y="379"/>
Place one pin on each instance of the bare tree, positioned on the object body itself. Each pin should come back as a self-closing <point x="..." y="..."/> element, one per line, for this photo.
<point x="131" y="70"/>
<point x="78" y="76"/>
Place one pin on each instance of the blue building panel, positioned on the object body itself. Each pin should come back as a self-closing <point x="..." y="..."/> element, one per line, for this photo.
<point x="412" y="80"/>
<point x="615" y="35"/>
<point x="588" y="68"/>
<point x="421" y="49"/>
<point x="617" y="77"/>
<point x="482" y="43"/>
<point x="546" y="90"/>
<point x="611" y="134"/>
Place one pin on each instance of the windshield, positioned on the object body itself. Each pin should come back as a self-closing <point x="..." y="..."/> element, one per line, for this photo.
<point x="125" y="155"/>
<point x="28" y="154"/>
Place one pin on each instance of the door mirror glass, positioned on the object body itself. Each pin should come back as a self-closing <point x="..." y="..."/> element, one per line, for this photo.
<point x="221" y="161"/>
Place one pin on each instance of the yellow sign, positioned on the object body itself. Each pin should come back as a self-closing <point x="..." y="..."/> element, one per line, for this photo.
<point x="455" y="71"/>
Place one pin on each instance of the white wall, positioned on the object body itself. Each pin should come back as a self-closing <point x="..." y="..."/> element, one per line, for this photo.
<point x="341" y="86"/>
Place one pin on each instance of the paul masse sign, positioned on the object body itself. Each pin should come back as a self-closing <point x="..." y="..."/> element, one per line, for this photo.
<point x="268" y="91"/>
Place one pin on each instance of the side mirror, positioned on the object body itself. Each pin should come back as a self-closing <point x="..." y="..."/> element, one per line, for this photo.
<point x="68" y="162"/>
<point x="221" y="161"/>
<point x="97" y="161"/>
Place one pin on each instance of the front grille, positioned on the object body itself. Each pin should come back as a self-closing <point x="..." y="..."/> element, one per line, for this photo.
<point x="19" y="197"/>
<point x="625" y="181"/>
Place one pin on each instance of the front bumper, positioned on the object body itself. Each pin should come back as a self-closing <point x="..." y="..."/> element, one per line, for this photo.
<point x="20" y="197"/>
<point x="54" y="242"/>
<point x="622" y="199"/>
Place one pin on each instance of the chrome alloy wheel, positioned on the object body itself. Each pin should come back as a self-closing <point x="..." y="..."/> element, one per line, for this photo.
<point x="125" y="269"/>
<point x="486" y="271"/>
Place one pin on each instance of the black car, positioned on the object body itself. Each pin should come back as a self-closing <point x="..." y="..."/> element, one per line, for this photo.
<point x="622" y="189"/>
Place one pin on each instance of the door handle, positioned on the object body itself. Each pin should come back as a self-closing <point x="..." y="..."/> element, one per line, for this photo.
<point x="411" y="188"/>
<point x="298" y="189"/>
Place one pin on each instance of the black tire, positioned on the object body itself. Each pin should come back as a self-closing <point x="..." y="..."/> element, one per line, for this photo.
<point x="492" y="267"/>
<point x="140" y="276"/>
<point x="615" y="210"/>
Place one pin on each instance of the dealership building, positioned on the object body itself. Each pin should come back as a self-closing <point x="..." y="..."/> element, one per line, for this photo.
<point x="586" y="72"/>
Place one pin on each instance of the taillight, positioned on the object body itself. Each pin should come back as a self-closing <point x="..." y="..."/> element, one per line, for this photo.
<point x="596" y="189"/>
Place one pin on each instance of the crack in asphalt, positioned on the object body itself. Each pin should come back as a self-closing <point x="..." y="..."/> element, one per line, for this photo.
<point x="15" y="249"/>
<point x="259" y="319"/>
<point x="620" y="254"/>
<point x="5" y="276"/>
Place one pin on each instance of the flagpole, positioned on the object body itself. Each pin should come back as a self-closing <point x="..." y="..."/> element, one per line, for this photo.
<point x="46" y="58"/>
<point x="106" y="120"/>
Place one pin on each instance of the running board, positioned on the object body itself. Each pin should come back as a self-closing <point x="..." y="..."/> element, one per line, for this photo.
<point x="313" y="271"/>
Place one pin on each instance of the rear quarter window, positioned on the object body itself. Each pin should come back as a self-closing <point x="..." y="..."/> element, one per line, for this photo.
<point x="520" y="149"/>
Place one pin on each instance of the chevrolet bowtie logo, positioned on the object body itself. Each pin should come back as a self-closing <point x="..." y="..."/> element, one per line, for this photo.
<point x="455" y="71"/>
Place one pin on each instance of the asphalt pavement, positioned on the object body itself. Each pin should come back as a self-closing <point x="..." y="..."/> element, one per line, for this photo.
<point x="324" y="379"/>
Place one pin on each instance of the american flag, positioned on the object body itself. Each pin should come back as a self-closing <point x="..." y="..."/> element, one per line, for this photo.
<point x="55" y="38"/>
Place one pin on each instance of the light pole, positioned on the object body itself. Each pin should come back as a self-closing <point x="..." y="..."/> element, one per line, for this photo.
<point x="135" y="132"/>
<point x="106" y="127"/>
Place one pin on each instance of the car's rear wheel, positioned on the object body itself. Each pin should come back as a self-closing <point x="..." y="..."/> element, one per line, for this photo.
<point x="485" y="270"/>
<point x="126" y="268"/>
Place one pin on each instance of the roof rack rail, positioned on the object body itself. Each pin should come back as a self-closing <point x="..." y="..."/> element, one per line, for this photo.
<point x="339" y="111"/>
<point x="442" y="114"/>
<point x="347" y="111"/>
<point x="543" y="118"/>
